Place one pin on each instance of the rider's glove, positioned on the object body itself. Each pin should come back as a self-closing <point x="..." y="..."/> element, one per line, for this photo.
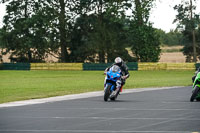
<point x="105" y="72"/>
<point x="124" y="77"/>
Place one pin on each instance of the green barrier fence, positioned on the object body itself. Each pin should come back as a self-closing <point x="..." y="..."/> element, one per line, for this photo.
<point x="16" y="66"/>
<point x="197" y="65"/>
<point x="96" y="66"/>
<point x="1" y="66"/>
<point x="132" y="65"/>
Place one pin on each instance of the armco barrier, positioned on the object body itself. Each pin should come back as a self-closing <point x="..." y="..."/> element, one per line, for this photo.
<point x="16" y="66"/>
<point x="103" y="66"/>
<point x="166" y="66"/>
<point x="151" y="66"/>
<point x="1" y="66"/>
<point x="56" y="66"/>
<point x="197" y="65"/>
<point x="132" y="65"/>
<point x="96" y="66"/>
<point x="180" y="66"/>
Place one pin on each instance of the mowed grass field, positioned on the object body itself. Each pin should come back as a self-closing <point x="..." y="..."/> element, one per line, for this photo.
<point x="23" y="85"/>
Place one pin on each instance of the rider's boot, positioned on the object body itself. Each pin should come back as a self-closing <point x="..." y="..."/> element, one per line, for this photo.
<point x="115" y="92"/>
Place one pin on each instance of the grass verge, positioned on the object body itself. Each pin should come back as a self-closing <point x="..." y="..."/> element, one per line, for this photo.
<point x="23" y="85"/>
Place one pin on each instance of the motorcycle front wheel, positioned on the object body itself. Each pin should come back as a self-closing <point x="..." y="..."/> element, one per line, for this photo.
<point x="107" y="92"/>
<point x="195" y="93"/>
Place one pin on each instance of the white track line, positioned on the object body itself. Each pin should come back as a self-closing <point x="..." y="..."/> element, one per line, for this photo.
<point x="77" y="96"/>
<point x="95" y="131"/>
<point x="119" y="118"/>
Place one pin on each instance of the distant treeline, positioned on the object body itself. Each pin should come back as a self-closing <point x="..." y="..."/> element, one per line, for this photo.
<point x="79" y="30"/>
<point x="171" y="38"/>
<point x="86" y="31"/>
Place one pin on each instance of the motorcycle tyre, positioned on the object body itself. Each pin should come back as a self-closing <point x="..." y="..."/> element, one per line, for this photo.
<point x="194" y="94"/>
<point x="107" y="92"/>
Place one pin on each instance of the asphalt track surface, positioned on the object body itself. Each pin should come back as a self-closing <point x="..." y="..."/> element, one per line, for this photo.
<point x="157" y="111"/>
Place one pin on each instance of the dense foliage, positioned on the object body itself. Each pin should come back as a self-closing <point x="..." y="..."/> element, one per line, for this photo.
<point x="79" y="30"/>
<point x="143" y="38"/>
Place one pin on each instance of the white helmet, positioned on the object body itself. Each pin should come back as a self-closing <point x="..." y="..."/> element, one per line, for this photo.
<point x="118" y="61"/>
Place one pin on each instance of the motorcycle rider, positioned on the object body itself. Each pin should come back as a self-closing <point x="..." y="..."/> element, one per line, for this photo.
<point x="125" y="74"/>
<point x="193" y="78"/>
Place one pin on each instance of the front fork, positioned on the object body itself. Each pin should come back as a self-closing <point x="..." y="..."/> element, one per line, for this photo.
<point x="112" y="87"/>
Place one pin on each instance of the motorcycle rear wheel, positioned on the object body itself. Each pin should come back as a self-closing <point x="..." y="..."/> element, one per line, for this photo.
<point x="195" y="93"/>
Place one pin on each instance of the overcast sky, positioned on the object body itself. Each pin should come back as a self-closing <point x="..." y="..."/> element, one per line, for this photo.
<point x="2" y="13"/>
<point x="162" y="15"/>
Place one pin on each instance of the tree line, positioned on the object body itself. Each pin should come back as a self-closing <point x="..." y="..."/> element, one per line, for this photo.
<point x="171" y="38"/>
<point x="83" y="30"/>
<point x="79" y="30"/>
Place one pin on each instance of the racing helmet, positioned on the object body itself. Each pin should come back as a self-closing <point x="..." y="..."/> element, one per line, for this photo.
<point x="118" y="61"/>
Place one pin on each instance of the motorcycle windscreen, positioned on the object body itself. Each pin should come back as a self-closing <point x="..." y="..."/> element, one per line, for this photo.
<point x="115" y="69"/>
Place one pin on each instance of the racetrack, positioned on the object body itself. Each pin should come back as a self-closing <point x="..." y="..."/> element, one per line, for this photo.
<point x="155" y="111"/>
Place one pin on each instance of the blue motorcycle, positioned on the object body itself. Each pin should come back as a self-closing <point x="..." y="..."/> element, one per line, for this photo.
<point x="113" y="75"/>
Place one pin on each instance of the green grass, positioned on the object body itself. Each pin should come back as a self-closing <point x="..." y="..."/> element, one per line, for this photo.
<point x="22" y="85"/>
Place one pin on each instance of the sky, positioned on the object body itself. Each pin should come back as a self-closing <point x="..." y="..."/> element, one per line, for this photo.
<point x="2" y="13"/>
<point x="162" y="15"/>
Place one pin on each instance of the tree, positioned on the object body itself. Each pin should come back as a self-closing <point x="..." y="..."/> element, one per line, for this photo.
<point x="188" y="22"/>
<point x="17" y="29"/>
<point x="105" y="33"/>
<point x="26" y="30"/>
<point x="35" y="28"/>
<point x="1" y="44"/>
<point x="80" y="47"/>
<point x="142" y="36"/>
<point x="101" y="33"/>
<point x="62" y="30"/>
